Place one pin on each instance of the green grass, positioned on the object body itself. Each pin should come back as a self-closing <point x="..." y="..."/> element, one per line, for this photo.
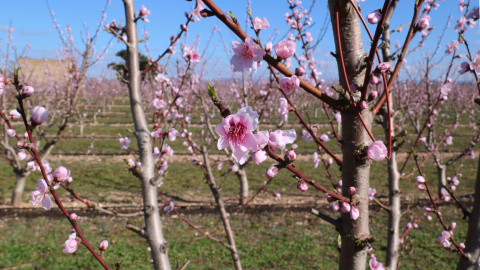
<point x="274" y="240"/>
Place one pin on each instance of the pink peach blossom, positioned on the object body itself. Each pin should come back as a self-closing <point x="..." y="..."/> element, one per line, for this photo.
<point x="125" y="143"/>
<point x="71" y="244"/>
<point x="278" y="139"/>
<point x="289" y="84"/>
<point x="259" y="24"/>
<point x="371" y="193"/>
<point x="377" y="151"/>
<point x="191" y="54"/>
<point x="443" y="239"/>
<point x="354" y="212"/>
<point x="452" y="47"/>
<point x="374" y="264"/>
<point x="285" y="48"/>
<point x="464" y="67"/>
<point x="259" y="156"/>
<point x="14" y="114"/>
<point x="283" y="109"/>
<point x="11" y="132"/>
<point x="246" y="54"/>
<point x="316" y="160"/>
<point x="61" y="174"/>
<point x="40" y="194"/>
<point x="236" y="131"/>
<point x="22" y="154"/>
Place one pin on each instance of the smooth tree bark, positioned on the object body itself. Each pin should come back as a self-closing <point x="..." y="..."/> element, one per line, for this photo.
<point x="243" y="181"/>
<point x="355" y="234"/>
<point x="394" y="201"/>
<point x="153" y="223"/>
<point x="21" y="178"/>
<point x="472" y="242"/>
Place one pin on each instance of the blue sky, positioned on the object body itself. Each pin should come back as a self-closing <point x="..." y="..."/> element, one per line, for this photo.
<point x="32" y="23"/>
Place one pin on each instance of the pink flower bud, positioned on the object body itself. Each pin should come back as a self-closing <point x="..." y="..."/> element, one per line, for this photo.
<point x="374" y="17"/>
<point x="39" y="115"/>
<point x="409" y="226"/>
<point x="345" y="207"/>
<point x="103" y="245"/>
<point x="324" y="138"/>
<point x="285" y="48"/>
<point x="354" y="212"/>
<point x="299" y="71"/>
<point x="290" y="156"/>
<point x="429" y="218"/>
<point x="184" y="27"/>
<point x="374" y="79"/>
<point x="330" y="161"/>
<point x="73" y="217"/>
<point x="461" y="246"/>
<point x="268" y="46"/>
<point x="272" y="171"/>
<point x="27" y="91"/>
<point x="363" y="105"/>
<point x="423" y="23"/>
<point x="335" y="207"/>
<point x="382" y="68"/>
<point x="21" y="144"/>
<point x="420" y="179"/>
<point x="259" y="156"/>
<point x="373" y="95"/>
<point x="352" y="191"/>
<point x="61" y="174"/>
<point x="302" y="186"/>
<point x="452" y="226"/>
<point x="331" y="198"/>
<point x="340" y="183"/>
<point x="421" y="187"/>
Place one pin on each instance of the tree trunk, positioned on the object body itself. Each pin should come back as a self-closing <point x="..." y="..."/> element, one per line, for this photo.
<point x="395" y="214"/>
<point x="472" y="242"/>
<point x="355" y="173"/>
<point x="17" y="193"/>
<point x="356" y="170"/>
<point x="153" y="224"/>
<point x="81" y="127"/>
<point x="243" y="181"/>
<point x="442" y="177"/>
